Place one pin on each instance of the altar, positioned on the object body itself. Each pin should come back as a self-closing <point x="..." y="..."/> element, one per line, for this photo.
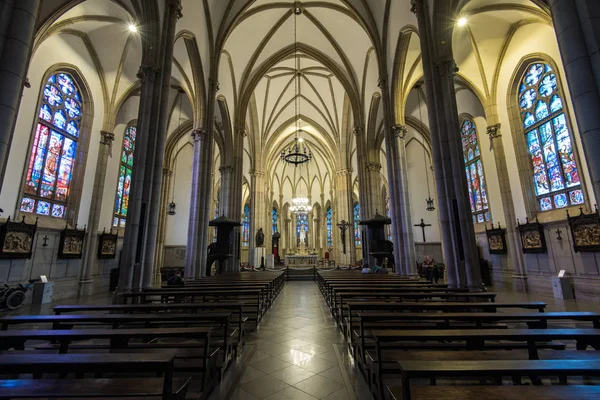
<point x="301" y="261"/>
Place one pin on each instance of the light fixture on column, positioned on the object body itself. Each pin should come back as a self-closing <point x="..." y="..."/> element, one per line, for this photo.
<point x="296" y="153"/>
<point x="172" y="205"/>
<point x="429" y="200"/>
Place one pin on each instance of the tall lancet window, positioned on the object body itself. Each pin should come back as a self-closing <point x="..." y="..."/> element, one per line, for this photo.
<point x="246" y="226"/>
<point x="329" y="222"/>
<point x="549" y="143"/>
<point x="54" y="148"/>
<point x="125" y="171"/>
<point x="302" y="228"/>
<point x="357" y="238"/>
<point x="474" y="169"/>
<point x="274" y="218"/>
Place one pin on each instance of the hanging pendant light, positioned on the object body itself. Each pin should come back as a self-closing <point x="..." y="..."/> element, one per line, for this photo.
<point x="172" y="208"/>
<point x="429" y="201"/>
<point x="296" y="153"/>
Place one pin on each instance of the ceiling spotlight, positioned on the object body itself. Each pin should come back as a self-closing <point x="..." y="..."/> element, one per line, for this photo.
<point x="300" y="140"/>
<point x="132" y="28"/>
<point x="462" y="21"/>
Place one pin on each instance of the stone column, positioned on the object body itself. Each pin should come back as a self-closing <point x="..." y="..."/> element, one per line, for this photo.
<point x="287" y="235"/>
<point x="91" y="243"/>
<point x="162" y="222"/>
<point x="17" y="30"/>
<point x="576" y="23"/>
<point x="512" y="234"/>
<point x="173" y="13"/>
<point x="133" y="230"/>
<point x="195" y="242"/>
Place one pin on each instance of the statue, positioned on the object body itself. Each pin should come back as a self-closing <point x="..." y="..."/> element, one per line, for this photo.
<point x="260" y="238"/>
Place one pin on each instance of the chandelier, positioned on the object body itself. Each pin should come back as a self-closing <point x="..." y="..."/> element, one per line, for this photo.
<point x="296" y="153"/>
<point x="300" y="205"/>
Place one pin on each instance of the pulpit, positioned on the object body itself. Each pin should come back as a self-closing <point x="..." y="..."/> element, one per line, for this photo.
<point x="223" y="248"/>
<point x="379" y="246"/>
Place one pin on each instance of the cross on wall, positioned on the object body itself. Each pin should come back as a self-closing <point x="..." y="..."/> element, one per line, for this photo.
<point x="423" y="225"/>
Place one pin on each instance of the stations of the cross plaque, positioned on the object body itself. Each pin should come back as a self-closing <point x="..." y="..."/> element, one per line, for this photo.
<point x="423" y="225"/>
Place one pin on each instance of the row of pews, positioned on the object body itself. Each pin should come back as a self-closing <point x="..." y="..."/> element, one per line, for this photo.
<point x="175" y="342"/>
<point x="415" y="340"/>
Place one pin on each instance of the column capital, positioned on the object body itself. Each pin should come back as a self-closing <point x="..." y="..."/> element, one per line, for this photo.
<point x="257" y="174"/>
<point x="446" y="66"/>
<point x="176" y="8"/>
<point x="493" y="131"/>
<point x="416" y="6"/>
<point x="107" y="137"/>
<point x="242" y="132"/>
<point x="288" y="220"/>
<point x="373" y="166"/>
<point x="167" y="171"/>
<point x="400" y="131"/>
<point x="357" y="130"/>
<point x="226" y="169"/>
<point x="198" y="134"/>
<point x="148" y="72"/>
<point x="214" y="85"/>
<point x="344" y="172"/>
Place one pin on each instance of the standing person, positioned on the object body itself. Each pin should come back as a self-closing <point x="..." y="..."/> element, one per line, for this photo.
<point x="428" y="266"/>
<point x="435" y="273"/>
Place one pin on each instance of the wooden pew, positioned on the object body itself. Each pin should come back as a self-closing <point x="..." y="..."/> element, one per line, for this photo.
<point x="575" y="392"/>
<point x="119" y="339"/>
<point x="493" y="368"/>
<point x="221" y="336"/>
<point x="237" y="308"/>
<point x="253" y="298"/>
<point x="166" y="387"/>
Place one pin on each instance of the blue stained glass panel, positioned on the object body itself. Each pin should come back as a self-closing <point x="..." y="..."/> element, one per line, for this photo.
<point x="528" y="120"/>
<point x="474" y="170"/>
<point x="560" y="200"/>
<point x="541" y="110"/>
<point x="480" y="218"/>
<point x="556" y="104"/>
<point x="522" y="88"/>
<point x="548" y="85"/>
<point x="27" y="205"/>
<point x="43" y="208"/>
<point x="66" y="84"/>
<point x="60" y="119"/>
<point x="357" y="237"/>
<point x="329" y="221"/>
<point x="576" y="197"/>
<point x="73" y="108"/>
<point x="45" y="113"/>
<point x="545" y="204"/>
<point x="73" y="129"/>
<point x="547" y="68"/>
<point x="246" y="226"/>
<point x="58" y="211"/>
<point x="534" y="74"/>
<point x="528" y="98"/>
<point x="52" y="96"/>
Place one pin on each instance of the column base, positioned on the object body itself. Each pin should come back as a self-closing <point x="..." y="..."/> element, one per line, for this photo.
<point x="520" y="283"/>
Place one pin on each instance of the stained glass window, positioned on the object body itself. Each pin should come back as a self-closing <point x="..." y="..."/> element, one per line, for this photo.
<point x="246" y="226"/>
<point x="388" y="228"/>
<point x="125" y="171"/>
<point x="274" y="218"/>
<point x="217" y="203"/>
<point x="549" y="143"/>
<point x="329" y="223"/>
<point x="302" y="225"/>
<point x="357" y="238"/>
<point x="52" y="158"/>
<point x="475" y="176"/>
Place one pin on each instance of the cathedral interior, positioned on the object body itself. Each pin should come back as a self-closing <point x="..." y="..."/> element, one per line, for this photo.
<point x="132" y="131"/>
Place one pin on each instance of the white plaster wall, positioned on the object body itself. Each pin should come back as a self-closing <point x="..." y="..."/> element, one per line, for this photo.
<point x="61" y="48"/>
<point x="177" y="225"/>
<point x="419" y="173"/>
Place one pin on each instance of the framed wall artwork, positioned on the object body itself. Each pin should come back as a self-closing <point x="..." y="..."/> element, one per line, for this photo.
<point x="71" y="243"/>
<point x="585" y="231"/>
<point x="16" y="239"/>
<point x="496" y="239"/>
<point x="532" y="235"/>
<point x="107" y="245"/>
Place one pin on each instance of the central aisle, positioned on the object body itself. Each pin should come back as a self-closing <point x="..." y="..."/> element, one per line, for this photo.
<point x="298" y="353"/>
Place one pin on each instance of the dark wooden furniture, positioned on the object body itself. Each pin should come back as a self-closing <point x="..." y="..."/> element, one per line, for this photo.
<point x="576" y="392"/>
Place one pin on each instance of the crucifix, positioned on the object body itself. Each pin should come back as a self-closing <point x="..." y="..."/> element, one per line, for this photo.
<point x="343" y="226"/>
<point x="423" y="225"/>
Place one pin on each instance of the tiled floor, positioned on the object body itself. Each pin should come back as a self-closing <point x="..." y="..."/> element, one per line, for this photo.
<point x="298" y="353"/>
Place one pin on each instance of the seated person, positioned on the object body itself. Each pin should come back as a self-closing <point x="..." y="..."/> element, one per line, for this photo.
<point x="176" y="279"/>
<point x="366" y="269"/>
<point x="428" y="266"/>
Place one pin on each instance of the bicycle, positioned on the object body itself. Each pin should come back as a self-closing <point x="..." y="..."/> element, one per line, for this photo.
<point x="13" y="297"/>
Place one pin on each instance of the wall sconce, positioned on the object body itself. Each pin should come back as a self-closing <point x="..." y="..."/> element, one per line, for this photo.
<point x="171" y="210"/>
